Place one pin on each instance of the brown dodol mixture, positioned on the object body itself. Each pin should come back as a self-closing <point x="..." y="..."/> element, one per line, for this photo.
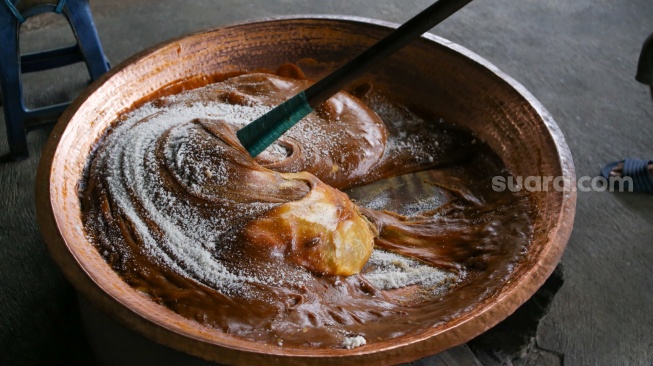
<point x="272" y="249"/>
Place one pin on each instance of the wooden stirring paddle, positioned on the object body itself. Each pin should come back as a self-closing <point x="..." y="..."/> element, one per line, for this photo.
<point x="261" y="133"/>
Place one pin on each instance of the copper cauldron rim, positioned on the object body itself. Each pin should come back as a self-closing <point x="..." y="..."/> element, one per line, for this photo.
<point x="167" y="328"/>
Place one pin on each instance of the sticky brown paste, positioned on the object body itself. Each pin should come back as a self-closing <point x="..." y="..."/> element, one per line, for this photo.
<point x="180" y="211"/>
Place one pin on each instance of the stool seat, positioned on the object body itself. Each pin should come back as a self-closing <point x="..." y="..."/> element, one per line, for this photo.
<point x="25" y="5"/>
<point x="18" y="119"/>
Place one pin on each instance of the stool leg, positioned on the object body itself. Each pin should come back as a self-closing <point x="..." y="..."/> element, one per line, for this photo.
<point x="79" y="16"/>
<point x="10" y="83"/>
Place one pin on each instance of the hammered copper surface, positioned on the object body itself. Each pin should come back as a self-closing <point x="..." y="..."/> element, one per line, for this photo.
<point x="432" y="74"/>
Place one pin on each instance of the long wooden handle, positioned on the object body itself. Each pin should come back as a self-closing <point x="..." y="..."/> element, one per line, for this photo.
<point x="261" y="133"/>
<point x="415" y="27"/>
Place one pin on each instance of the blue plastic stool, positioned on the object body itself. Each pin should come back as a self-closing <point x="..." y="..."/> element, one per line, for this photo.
<point x="18" y="119"/>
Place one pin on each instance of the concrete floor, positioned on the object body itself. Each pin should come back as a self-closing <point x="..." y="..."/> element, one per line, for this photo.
<point x="577" y="57"/>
